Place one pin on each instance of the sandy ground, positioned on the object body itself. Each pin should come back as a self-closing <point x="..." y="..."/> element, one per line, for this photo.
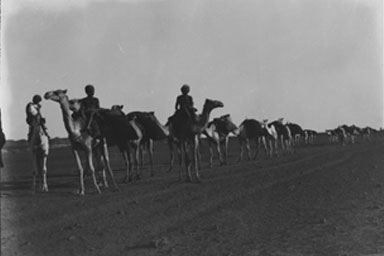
<point x="323" y="200"/>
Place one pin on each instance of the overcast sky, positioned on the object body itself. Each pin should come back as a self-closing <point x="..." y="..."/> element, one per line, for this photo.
<point x="318" y="63"/>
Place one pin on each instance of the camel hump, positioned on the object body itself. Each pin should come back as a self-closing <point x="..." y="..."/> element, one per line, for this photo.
<point x="224" y="124"/>
<point x="251" y="127"/>
<point x="151" y="125"/>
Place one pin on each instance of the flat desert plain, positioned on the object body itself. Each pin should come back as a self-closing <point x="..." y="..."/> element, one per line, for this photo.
<point x="324" y="199"/>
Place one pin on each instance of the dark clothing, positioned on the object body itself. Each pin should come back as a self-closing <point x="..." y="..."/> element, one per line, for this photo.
<point x="184" y="101"/>
<point x="90" y="103"/>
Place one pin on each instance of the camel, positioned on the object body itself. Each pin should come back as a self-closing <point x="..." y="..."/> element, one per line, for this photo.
<point x="309" y="136"/>
<point x="151" y="129"/>
<point x="39" y="145"/>
<point x="251" y="129"/>
<point x="270" y="138"/>
<point x="351" y="132"/>
<point x="284" y="135"/>
<point x="333" y="136"/>
<point x="126" y="134"/>
<point x="185" y="133"/>
<point x="296" y="132"/>
<point x="217" y="132"/>
<point x="366" y="133"/>
<point x="82" y="140"/>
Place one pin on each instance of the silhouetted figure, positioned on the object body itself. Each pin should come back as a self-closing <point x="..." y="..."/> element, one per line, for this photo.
<point x="89" y="106"/>
<point x="33" y="112"/>
<point x="184" y="102"/>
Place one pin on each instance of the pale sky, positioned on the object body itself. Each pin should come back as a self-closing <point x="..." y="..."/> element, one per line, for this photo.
<point x="318" y="63"/>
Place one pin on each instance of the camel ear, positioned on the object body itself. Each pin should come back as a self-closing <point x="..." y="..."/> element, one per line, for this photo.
<point x="65" y="91"/>
<point x="121" y="106"/>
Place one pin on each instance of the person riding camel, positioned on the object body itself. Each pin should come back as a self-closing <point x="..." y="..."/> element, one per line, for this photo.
<point x="33" y="112"/>
<point x="184" y="102"/>
<point x="90" y="102"/>
<point x="89" y="105"/>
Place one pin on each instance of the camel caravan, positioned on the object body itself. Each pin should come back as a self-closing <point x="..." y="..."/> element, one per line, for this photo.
<point x="92" y="129"/>
<point x="349" y="134"/>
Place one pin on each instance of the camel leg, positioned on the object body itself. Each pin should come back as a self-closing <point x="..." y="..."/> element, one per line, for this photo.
<point x="81" y="172"/>
<point x="198" y="158"/>
<point x="127" y="161"/>
<point x="248" y="147"/>
<point x="264" y="143"/>
<point x="226" y="142"/>
<point x="210" y="154"/>
<point x="274" y="151"/>
<point x="257" y="145"/>
<point x="282" y="143"/>
<point x="277" y="145"/>
<point x="107" y="164"/>
<point x="150" y="156"/>
<point x="271" y="143"/>
<point x="218" y="147"/>
<point x="181" y="156"/>
<point x="141" y="154"/>
<point x="136" y="160"/>
<point x="196" y="154"/>
<point x="241" y="150"/>
<point x="43" y="169"/>
<point x="34" y="170"/>
<point x="172" y="154"/>
<point x="92" y="168"/>
<point x="99" y="157"/>
<point x="185" y="152"/>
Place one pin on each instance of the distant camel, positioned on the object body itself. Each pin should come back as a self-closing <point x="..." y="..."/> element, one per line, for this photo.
<point x="82" y="140"/>
<point x="152" y="130"/>
<point x="185" y="132"/>
<point x="251" y="129"/>
<point x="2" y="142"/>
<point x="333" y="135"/>
<point x="309" y="136"/>
<point x="270" y="138"/>
<point x="284" y="135"/>
<point x="217" y="132"/>
<point x="125" y="134"/>
<point x="351" y="133"/>
<point x="297" y="133"/>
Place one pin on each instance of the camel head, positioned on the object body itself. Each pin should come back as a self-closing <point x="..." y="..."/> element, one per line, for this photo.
<point x="209" y="104"/>
<point x="57" y="95"/>
<point x="229" y="125"/>
<point x="226" y="117"/>
<point x="117" y="107"/>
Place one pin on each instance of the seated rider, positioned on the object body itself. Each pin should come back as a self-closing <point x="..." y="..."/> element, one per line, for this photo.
<point x="184" y="102"/>
<point x="88" y="106"/>
<point x="33" y="113"/>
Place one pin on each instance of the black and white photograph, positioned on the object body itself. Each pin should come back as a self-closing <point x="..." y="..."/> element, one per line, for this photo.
<point x="192" y="127"/>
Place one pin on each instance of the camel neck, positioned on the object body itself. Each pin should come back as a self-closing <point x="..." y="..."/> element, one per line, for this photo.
<point x="204" y="118"/>
<point x="67" y="118"/>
